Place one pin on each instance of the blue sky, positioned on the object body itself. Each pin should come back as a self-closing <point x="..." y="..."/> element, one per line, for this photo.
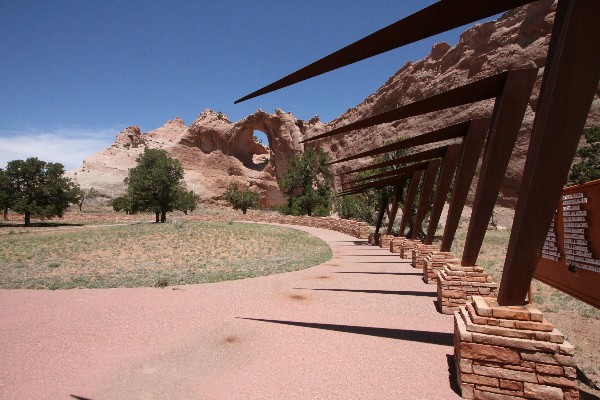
<point x="74" y="73"/>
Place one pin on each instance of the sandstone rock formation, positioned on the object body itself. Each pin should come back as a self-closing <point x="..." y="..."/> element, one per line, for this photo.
<point x="214" y="150"/>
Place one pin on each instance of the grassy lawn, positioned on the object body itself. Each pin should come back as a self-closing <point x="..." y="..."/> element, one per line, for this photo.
<point x="153" y="255"/>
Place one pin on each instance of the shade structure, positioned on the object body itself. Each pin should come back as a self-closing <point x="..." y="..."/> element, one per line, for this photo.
<point x="424" y="155"/>
<point x="472" y="92"/>
<point x="437" y="18"/>
<point x="438" y="135"/>
<point x="392" y="179"/>
<point x="390" y="173"/>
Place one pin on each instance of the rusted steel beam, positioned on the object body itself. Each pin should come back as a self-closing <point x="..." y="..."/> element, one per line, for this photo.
<point x="447" y="14"/>
<point x="570" y="80"/>
<point x="447" y="133"/>
<point x="424" y="155"/>
<point x="443" y="187"/>
<point x="471" y="150"/>
<point x="393" y="172"/>
<point x="397" y="195"/>
<point x="410" y="198"/>
<point x="392" y="181"/>
<point x="507" y="118"/>
<point x="482" y="89"/>
<point x="348" y="193"/>
<point x="425" y="197"/>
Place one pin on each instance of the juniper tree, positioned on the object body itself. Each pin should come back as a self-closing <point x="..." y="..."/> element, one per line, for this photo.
<point x="241" y="199"/>
<point x="155" y="184"/>
<point x="38" y="188"/>
<point x="307" y="183"/>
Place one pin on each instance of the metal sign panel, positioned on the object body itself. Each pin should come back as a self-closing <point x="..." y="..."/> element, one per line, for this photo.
<point x="570" y="259"/>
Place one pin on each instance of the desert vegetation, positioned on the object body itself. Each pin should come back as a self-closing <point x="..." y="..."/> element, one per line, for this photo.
<point x="307" y="184"/>
<point x="156" y="185"/>
<point x="587" y="162"/>
<point x="36" y="188"/>
<point x="243" y="199"/>
<point x="153" y="255"/>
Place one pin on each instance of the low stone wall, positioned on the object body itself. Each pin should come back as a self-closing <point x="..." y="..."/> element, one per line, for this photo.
<point x="511" y="353"/>
<point x="357" y="229"/>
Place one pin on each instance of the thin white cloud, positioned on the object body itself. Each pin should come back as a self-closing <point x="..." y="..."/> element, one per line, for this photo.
<point x="66" y="146"/>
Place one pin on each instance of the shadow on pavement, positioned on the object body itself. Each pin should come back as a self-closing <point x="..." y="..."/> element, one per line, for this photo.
<point x="390" y="255"/>
<point x="439" y="338"/>
<point x="39" y="225"/>
<point x="380" y="273"/>
<point x="452" y="377"/>
<point x="396" y="292"/>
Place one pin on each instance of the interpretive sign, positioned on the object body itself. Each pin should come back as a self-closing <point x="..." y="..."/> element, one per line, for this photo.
<point x="570" y="259"/>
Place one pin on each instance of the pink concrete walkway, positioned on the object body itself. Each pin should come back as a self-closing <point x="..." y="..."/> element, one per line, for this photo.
<point x="361" y="326"/>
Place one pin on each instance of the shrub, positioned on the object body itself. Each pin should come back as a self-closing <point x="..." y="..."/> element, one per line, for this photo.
<point x="241" y="199"/>
<point x="588" y="169"/>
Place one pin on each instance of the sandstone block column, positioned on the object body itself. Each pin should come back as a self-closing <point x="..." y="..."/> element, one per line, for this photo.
<point x="418" y="254"/>
<point x="363" y="231"/>
<point x="374" y="239"/>
<point x="384" y="241"/>
<point x="407" y="247"/>
<point x="511" y="353"/>
<point x="456" y="285"/>
<point x="396" y="244"/>
<point x="435" y="262"/>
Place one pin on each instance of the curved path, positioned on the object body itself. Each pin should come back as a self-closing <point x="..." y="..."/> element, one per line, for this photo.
<point x="360" y="326"/>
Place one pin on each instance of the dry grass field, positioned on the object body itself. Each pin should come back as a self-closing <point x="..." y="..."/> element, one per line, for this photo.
<point x="148" y="254"/>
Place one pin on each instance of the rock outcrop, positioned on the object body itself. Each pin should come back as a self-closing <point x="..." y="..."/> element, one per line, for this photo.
<point x="214" y="151"/>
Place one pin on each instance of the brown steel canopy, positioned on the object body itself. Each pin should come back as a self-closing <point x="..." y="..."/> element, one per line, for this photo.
<point x="437" y="18"/>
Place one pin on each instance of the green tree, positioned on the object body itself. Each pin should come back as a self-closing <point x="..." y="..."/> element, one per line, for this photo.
<point x="307" y="183"/>
<point x="85" y="194"/>
<point x="4" y="193"/>
<point x="588" y="168"/>
<point x="155" y="184"/>
<point x="38" y="188"/>
<point x="186" y="201"/>
<point x="241" y="199"/>
<point x="123" y="203"/>
<point x="358" y="206"/>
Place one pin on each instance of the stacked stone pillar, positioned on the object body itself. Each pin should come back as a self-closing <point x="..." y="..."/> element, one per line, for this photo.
<point x="418" y="254"/>
<point x="396" y="244"/>
<point x="407" y="247"/>
<point x="374" y="239"/>
<point x="385" y="240"/>
<point x="511" y="353"/>
<point x="435" y="262"/>
<point x="457" y="284"/>
<point x="361" y="231"/>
